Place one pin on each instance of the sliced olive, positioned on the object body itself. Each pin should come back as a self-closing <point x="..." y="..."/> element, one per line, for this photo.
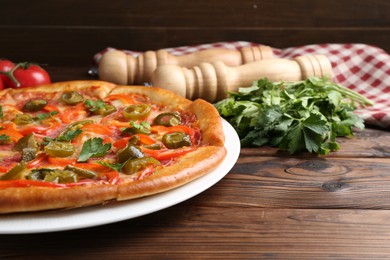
<point x="176" y="140"/>
<point x="81" y="172"/>
<point x="15" y="173"/>
<point x="61" y="176"/>
<point x="34" y="105"/>
<point x="23" y="119"/>
<point x="52" y="175"/>
<point x="129" y="152"/>
<point x="37" y="174"/>
<point x="137" y="111"/>
<point x="27" y="141"/>
<point x="168" y="119"/>
<point x="59" y="149"/>
<point x="28" y="146"/>
<point x="135" y="165"/>
<point x="28" y="154"/>
<point x="72" y="97"/>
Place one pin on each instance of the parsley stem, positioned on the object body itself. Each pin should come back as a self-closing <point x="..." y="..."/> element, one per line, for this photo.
<point x="353" y="95"/>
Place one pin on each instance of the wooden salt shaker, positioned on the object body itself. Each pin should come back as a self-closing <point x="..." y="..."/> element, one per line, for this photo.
<point x="121" y="68"/>
<point x="212" y="81"/>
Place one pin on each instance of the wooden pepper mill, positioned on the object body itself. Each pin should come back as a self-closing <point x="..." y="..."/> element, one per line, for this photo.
<point x="121" y="68"/>
<point x="212" y="81"/>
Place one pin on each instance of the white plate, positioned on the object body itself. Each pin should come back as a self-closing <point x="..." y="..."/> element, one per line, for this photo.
<point x="60" y="220"/>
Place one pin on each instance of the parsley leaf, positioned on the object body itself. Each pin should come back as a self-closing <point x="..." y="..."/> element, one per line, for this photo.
<point x="69" y="135"/>
<point x="115" y="166"/>
<point x="140" y="126"/>
<point x="93" y="148"/>
<point x="4" y="139"/>
<point x="99" y="107"/>
<point x="44" y="116"/>
<point x="94" y="105"/>
<point x="294" y="116"/>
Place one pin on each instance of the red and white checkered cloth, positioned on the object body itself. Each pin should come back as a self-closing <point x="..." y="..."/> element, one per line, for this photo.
<point x="360" y="67"/>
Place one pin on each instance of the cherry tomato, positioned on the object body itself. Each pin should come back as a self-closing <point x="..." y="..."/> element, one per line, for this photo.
<point x="5" y="66"/>
<point x="26" y="75"/>
<point x="1" y="84"/>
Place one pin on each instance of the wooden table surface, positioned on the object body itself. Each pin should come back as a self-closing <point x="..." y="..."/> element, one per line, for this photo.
<point x="269" y="206"/>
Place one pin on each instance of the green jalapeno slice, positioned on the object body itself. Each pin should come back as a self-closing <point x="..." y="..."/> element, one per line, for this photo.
<point x="60" y="176"/>
<point x="34" y="105"/>
<point x="137" y="130"/>
<point x="129" y="152"/>
<point x="78" y="124"/>
<point x="81" y="172"/>
<point x="70" y="130"/>
<point x="134" y="140"/>
<point x="68" y="175"/>
<point x="135" y="165"/>
<point x="72" y="97"/>
<point x="28" y="146"/>
<point x="27" y="141"/>
<point x="168" y="119"/>
<point x="15" y="173"/>
<point x="37" y="174"/>
<point x="23" y="119"/>
<point x="59" y="149"/>
<point x="155" y="146"/>
<point x="104" y="111"/>
<point x="176" y="140"/>
<point x="137" y="111"/>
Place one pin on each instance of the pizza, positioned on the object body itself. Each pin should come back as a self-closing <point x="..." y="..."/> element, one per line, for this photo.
<point x="80" y="143"/>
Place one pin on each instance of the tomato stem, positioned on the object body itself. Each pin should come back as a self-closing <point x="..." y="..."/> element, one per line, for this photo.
<point x="10" y="74"/>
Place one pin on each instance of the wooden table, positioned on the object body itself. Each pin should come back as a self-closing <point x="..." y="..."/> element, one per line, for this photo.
<point x="269" y="206"/>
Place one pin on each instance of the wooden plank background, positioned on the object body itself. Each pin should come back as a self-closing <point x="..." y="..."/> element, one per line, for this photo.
<point x="62" y="33"/>
<point x="294" y="207"/>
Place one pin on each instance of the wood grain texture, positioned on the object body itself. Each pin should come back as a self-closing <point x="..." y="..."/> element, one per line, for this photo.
<point x="271" y="205"/>
<point x="188" y="232"/>
<point x="307" y="183"/>
<point x="76" y="46"/>
<point x="69" y="32"/>
<point x="181" y="13"/>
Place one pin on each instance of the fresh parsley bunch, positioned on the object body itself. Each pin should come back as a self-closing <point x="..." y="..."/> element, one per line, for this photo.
<point x="295" y="116"/>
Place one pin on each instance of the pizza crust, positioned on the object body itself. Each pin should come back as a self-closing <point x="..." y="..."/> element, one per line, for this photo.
<point x="157" y="95"/>
<point x="44" y="198"/>
<point x="210" y="121"/>
<point x="192" y="165"/>
<point x="188" y="168"/>
<point x="101" y="88"/>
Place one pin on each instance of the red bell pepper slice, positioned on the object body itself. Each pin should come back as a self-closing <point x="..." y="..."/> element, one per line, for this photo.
<point x="29" y="183"/>
<point x="168" y="154"/>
